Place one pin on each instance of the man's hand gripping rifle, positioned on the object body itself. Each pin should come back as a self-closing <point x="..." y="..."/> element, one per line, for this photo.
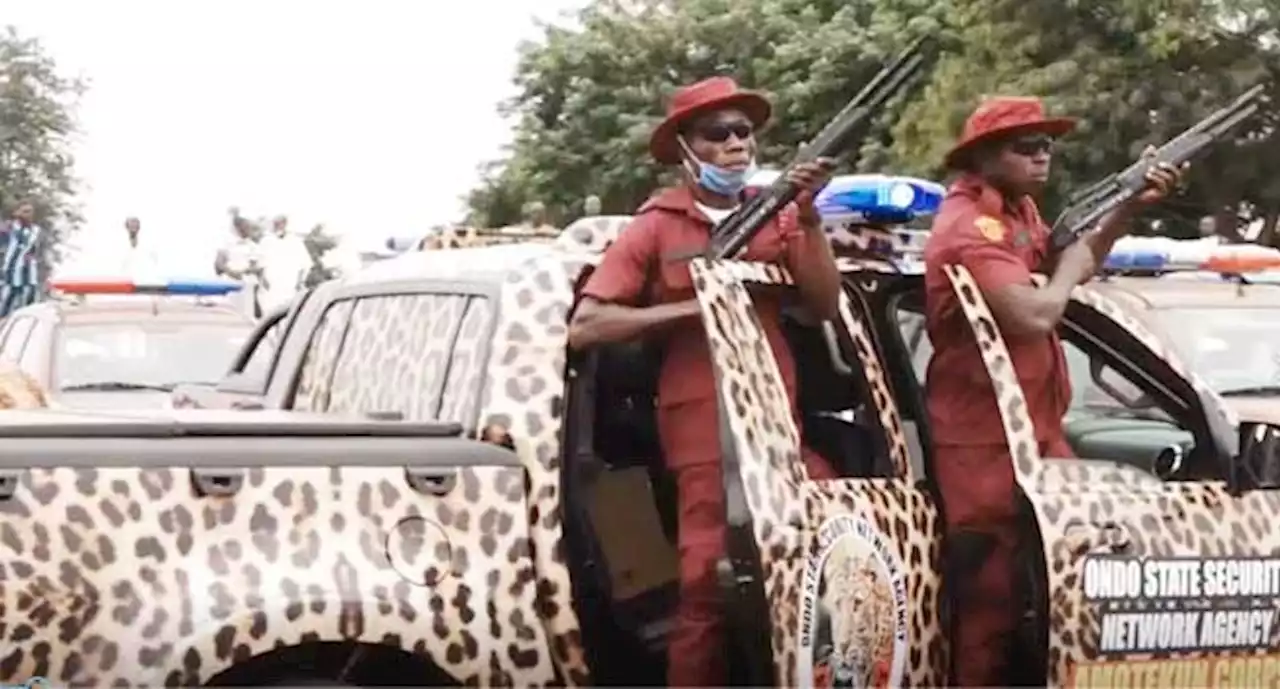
<point x="1087" y="207"/>
<point x="737" y="230"/>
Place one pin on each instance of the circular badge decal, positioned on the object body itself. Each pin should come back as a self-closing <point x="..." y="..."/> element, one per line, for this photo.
<point x="853" y="617"/>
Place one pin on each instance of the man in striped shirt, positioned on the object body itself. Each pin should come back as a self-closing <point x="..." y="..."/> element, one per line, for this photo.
<point x="21" y="241"/>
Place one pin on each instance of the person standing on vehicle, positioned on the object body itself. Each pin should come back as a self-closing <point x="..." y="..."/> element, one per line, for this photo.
<point x="637" y="292"/>
<point x="989" y="223"/>
<point x="21" y="242"/>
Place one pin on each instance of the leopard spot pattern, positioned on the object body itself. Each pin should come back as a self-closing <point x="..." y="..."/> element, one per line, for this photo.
<point x="402" y="339"/>
<point x="518" y="348"/>
<point x="912" y="523"/>
<point x="321" y="357"/>
<point x="120" y="576"/>
<point x="1090" y="507"/>
<point x="864" y="348"/>
<point x="783" y="502"/>
<point x="18" y="390"/>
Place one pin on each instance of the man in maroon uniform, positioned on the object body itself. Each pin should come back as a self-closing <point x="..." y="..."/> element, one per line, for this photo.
<point x="637" y="292"/>
<point x="989" y="223"/>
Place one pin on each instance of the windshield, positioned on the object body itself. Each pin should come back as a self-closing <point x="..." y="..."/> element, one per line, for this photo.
<point x="121" y="356"/>
<point x="1231" y="349"/>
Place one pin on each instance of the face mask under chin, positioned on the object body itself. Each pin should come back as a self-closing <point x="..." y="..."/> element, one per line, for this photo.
<point x="722" y="181"/>
<point x="716" y="179"/>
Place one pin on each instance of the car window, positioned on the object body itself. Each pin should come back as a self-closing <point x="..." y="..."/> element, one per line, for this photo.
<point x="1230" y="348"/>
<point x="396" y="355"/>
<point x="314" y="381"/>
<point x="258" y="365"/>
<point x="159" y="354"/>
<point x="16" y="338"/>
<point x="461" y="396"/>
<point x="1100" y="389"/>
<point x="393" y="355"/>
<point x="1086" y="393"/>
<point x="916" y="339"/>
<point x="34" y="357"/>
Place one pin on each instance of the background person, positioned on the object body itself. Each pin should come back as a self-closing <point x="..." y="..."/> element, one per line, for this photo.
<point x="21" y="243"/>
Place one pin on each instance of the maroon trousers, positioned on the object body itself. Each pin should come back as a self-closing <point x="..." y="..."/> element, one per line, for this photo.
<point x="691" y="444"/>
<point x="979" y="495"/>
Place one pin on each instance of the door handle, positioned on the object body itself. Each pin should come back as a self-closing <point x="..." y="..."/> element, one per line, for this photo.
<point x="434" y="481"/>
<point x="10" y="479"/>
<point x="217" y="483"/>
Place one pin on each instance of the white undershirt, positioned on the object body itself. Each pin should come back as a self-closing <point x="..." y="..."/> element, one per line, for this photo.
<point x="715" y="215"/>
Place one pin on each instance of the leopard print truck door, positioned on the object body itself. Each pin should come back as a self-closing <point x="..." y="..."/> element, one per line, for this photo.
<point x="849" y="566"/>
<point x="1151" y="576"/>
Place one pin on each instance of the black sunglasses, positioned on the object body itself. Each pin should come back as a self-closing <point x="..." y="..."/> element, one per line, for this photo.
<point x="1032" y="145"/>
<point x="719" y="132"/>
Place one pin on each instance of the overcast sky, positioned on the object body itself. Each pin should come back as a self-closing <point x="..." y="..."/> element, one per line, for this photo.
<point x="369" y="115"/>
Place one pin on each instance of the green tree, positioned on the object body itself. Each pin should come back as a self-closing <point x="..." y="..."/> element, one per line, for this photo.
<point x="1134" y="72"/>
<point x="37" y="121"/>
<point x="588" y="98"/>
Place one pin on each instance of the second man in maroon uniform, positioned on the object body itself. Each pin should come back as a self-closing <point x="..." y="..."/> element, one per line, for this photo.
<point x="989" y="223"/>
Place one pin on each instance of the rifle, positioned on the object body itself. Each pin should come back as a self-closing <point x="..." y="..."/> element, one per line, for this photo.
<point x="1090" y="204"/>
<point x="737" y="230"/>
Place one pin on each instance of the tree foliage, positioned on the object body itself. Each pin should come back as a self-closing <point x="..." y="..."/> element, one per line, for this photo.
<point x="37" y="121"/>
<point x="589" y="98"/>
<point x="1134" y="71"/>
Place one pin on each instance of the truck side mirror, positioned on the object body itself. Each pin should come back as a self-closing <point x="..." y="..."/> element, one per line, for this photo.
<point x="1258" y="465"/>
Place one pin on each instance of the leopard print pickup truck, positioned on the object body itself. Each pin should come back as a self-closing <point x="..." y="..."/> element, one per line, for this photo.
<point x="559" y="567"/>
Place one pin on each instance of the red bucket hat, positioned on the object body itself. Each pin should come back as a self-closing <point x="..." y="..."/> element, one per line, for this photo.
<point x="708" y="95"/>
<point x="1006" y="116"/>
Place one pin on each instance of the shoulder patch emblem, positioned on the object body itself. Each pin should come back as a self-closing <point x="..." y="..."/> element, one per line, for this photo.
<point x="990" y="228"/>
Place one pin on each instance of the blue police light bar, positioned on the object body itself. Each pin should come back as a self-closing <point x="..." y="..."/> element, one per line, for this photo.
<point x="878" y="199"/>
<point x="1144" y="260"/>
<point x="201" y="288"/>
<point x="869" y="198"/>
<point x="1162" y="255"/>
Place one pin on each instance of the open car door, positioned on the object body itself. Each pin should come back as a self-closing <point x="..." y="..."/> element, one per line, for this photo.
<point x="1160" y="577"/>
<point x="841" y="579"/>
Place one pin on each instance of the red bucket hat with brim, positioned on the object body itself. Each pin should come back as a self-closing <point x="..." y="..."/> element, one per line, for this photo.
<point x="1002" y="117"/>
<point x="708" y="95"/>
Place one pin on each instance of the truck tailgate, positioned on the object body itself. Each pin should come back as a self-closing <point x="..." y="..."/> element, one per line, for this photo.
<point x="167" y="546"/>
